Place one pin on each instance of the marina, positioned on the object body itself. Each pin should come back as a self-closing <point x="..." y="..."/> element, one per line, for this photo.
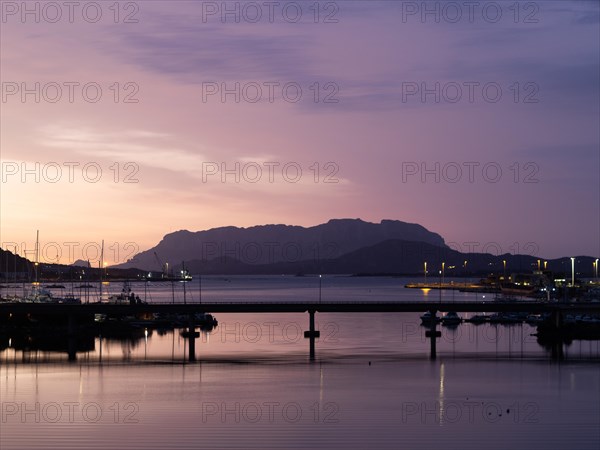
<point x="253" y="372"/>
<point x="167" y="307"/>
<point x="303" y="225"/>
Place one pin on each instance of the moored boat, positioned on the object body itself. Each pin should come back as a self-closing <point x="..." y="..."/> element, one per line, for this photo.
<point x="451" y="318"/>
<point x="427" y="318"/>
<point x="478" y="318"/>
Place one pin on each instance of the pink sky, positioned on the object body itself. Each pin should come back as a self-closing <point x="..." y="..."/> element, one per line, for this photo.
<point x="547" y="197"/>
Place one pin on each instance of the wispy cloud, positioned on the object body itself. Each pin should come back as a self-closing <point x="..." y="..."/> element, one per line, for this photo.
<point x="143" y="147"/>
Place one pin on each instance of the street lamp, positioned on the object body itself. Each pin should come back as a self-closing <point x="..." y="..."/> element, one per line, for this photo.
<point x="320" y="277"/>
<point x="440" y="289"/>
<point x="545" y="265"/>
<point x="425" y="271"/>
<point x="539" y="262"/>
<point x="443" y="264"/>
<point x="572" y="271"/>
<point x="504" y="263"/>
<point x="596" y="266"/>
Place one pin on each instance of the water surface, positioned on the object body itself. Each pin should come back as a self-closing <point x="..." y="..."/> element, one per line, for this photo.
<point x="371" y="385"/>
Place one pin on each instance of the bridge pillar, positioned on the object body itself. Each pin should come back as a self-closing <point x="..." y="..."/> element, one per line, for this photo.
<point x="433" y="334"/>
<point x="192" y="334"/>
<point x="312" y="333"/>
<point x="557" y="319"/>
<point x="72" y="337"/>
<point x="557" y="350"/>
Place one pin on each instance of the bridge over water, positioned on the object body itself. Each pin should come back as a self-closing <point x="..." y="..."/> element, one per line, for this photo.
<point x="72" y="311"/>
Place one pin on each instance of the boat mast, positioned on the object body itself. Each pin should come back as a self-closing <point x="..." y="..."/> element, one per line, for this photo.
<point x="15" y="270"/>
<point x="183" y="281"/>
<point x="37" y="254"/>
<point x="100" y="264"/>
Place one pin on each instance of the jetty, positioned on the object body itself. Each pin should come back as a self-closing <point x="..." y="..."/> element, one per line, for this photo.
<point x="69" y="316"/>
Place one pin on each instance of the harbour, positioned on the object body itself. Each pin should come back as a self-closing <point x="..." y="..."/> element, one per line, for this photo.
<point x="310" y="225"/>
<point x="552" y="325"/>
<point x="372" y="368"/>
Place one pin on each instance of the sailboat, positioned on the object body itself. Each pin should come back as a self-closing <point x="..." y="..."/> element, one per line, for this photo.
<point x="38" y="294"/>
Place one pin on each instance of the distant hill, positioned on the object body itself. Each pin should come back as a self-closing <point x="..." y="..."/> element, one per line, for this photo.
<point x="15" y="267"/>
<point x="395" y="257"/>
<point x="11" y="263"/>
<point x="81" y="263"/>
<point x="266" y="245"/>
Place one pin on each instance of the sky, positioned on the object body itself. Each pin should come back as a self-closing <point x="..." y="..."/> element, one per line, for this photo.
<point x="124" y="123"/>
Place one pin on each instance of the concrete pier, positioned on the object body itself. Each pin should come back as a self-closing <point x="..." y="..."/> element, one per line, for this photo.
<point x="312" y="334"/>
<point x="72" y="338"/>
<point x="433" y="334"/>
<point x="74" y="315"/>
<point x="192" y="335"/>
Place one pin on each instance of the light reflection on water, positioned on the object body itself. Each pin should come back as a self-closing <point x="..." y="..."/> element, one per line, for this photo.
<point x="413" y="404"/>
<point x="280" y="336"/>
<point x="372" y="384"/>
<point x="273" y="288"/>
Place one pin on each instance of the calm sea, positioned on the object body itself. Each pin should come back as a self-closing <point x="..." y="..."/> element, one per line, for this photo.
<point x="371" y="385"/>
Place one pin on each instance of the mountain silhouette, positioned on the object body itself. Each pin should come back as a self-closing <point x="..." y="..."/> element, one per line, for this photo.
<point x="265" y="245"/>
